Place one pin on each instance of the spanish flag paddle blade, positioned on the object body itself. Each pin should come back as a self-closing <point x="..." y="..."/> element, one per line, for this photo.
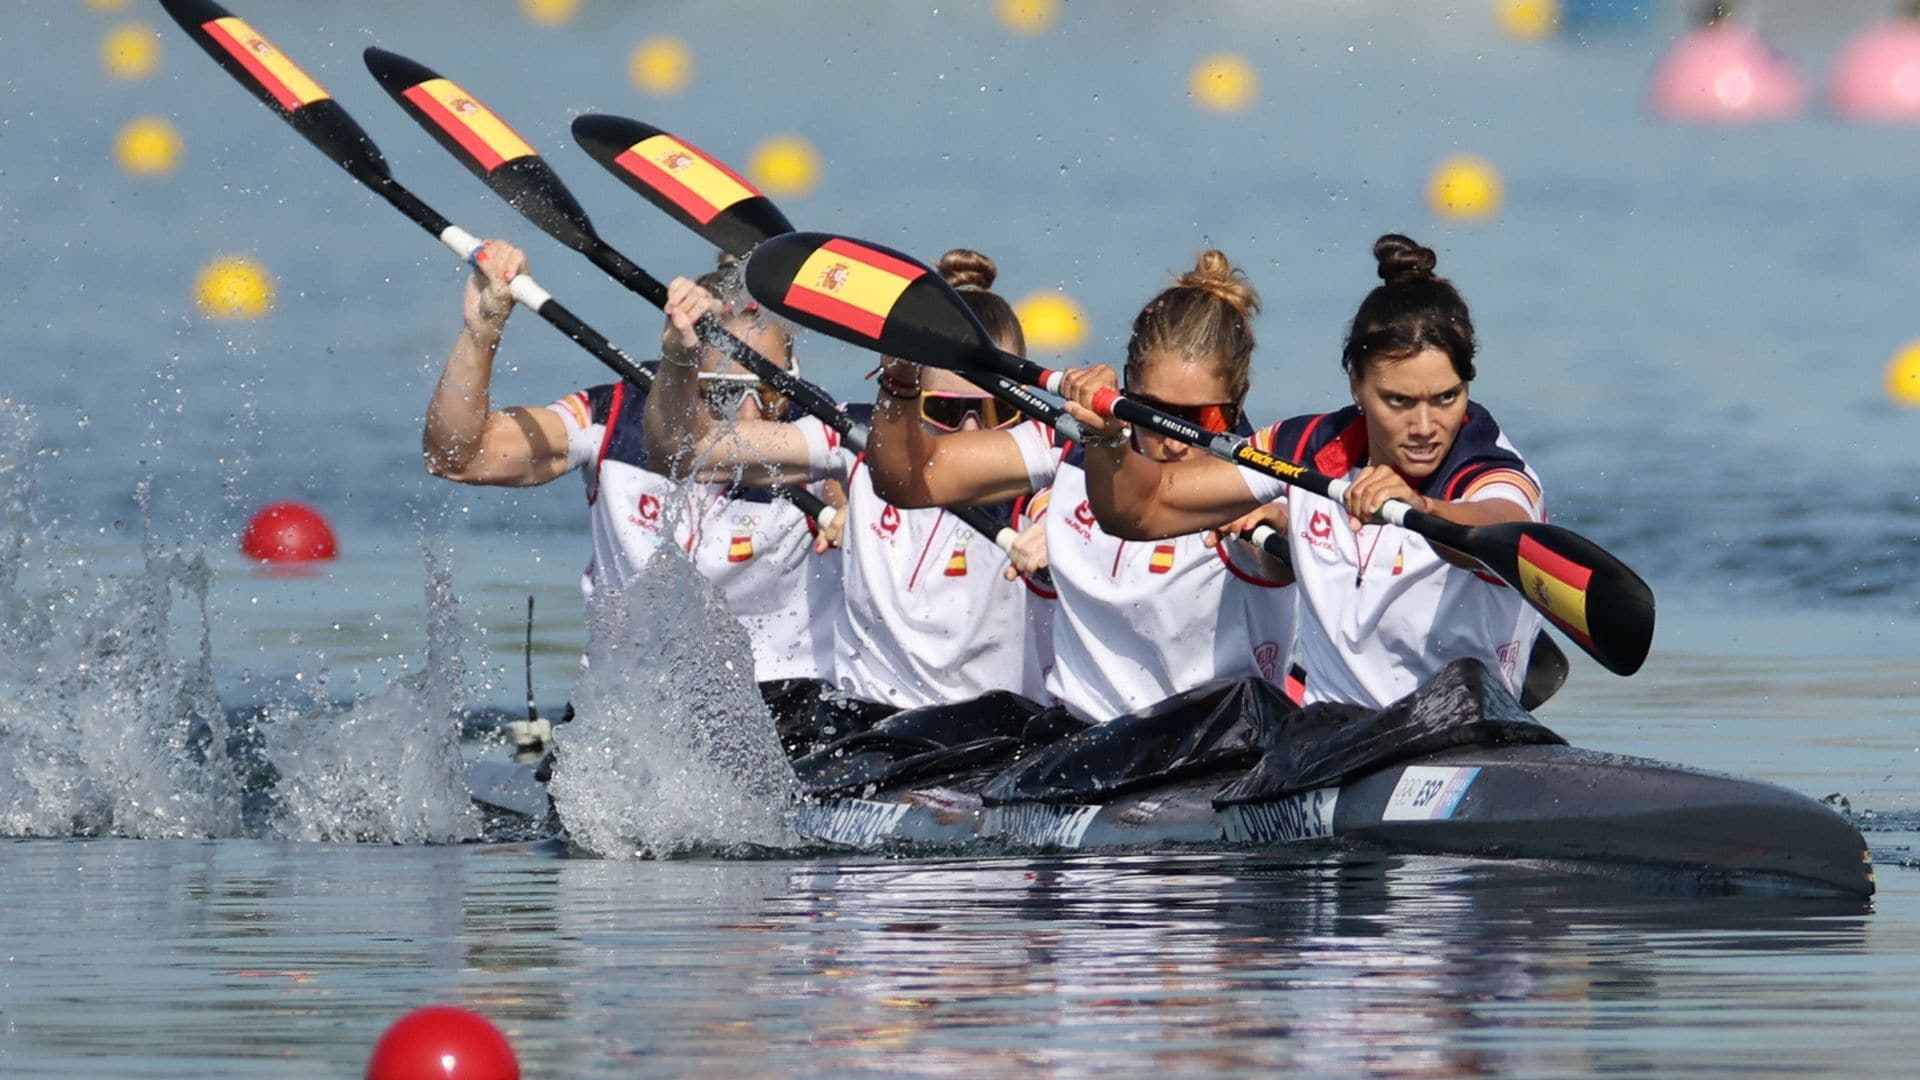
<point x="693" y="187"/>
<point x="487" y="145"/>
<point x="1591" y="596"/>
<point x="280" y="84"/>
<point x="867" y="295"/>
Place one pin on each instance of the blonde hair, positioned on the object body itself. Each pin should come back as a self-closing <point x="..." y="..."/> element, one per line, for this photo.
<point x="1207" y="312"/>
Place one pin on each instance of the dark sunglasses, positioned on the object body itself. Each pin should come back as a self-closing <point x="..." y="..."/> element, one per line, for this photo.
<point x="1215" y="417"/>
<point x="949" y="412"/>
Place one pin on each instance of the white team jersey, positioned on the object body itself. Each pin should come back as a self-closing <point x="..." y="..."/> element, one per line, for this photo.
<point x="757" y="550"/>
<point x="1380" y="610"/>
<point x="927" y="619"/>
<point x="1136" y="622"/>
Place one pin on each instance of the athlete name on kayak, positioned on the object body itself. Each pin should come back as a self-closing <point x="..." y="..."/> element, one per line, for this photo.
<point x="1307" y="815"/>
<point x="1045" y="826"/>
<point x="860" y="823"/>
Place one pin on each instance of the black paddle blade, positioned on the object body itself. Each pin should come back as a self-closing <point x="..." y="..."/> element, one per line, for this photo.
<point x="1592" y="597"/>
<point x="692" y="186"/>
<point x="281" y="85"/>
<point x="870" y="296"/>
<point x="486" y="145"/>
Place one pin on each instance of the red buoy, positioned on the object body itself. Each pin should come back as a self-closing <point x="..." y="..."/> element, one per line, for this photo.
<point x="443" y="1042"/>
<point x="286" y="532"/>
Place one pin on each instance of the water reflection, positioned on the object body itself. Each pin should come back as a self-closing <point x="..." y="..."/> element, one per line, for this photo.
<point x="1198" y="963"/>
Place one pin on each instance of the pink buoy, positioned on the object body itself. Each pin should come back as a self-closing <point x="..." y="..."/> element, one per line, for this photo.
<point x="443" y="1042"/>
<point x="1877" y="76"/>
<point x="288" y="532"/>
<point x="1726" y="74"/>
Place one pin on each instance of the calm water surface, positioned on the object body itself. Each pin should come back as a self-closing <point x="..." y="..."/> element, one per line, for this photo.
<point x="1684" y="329"/>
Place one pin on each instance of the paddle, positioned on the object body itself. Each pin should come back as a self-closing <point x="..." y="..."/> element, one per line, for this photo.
<point x="668" y="172"/>
<point x="699" y="191"/>
<point x="884" y="300"/>
<point x="506" y="163"/>
<point x="280" y="84"/>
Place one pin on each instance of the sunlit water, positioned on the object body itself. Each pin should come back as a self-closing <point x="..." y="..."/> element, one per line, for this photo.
<point x="234" y="789"/>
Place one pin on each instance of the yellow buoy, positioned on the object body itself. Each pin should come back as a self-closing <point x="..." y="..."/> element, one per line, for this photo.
<point x="1903" y="375"/>
<point x="1527" y="20"/>
<point x="1028" y="17"/>
<point x="1052" y="321"/>
<point x="233" y="287"/>
<point x="1464" y="188"/>
<point x="661" y="65"/>
<point x="550" y="12"/>
<point x="131" y="51"/>
<point x="148" y="146"/>
<point x="785" y="165"/>
<point x="1223" y="82"/>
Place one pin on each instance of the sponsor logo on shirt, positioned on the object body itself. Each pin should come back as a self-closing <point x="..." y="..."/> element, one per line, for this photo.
<point x="1083" y="519"/>
<point x="1509" y="655"/>
<point x="1319" y="530"/>
<point x="888" y="524"/>
<point x="1266" y="657"/>
<point x="647" y="513"/>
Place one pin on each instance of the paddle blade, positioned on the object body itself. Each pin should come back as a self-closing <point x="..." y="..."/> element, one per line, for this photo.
<point x="1592" y="597"/>
<point x="487" y="145"/>
<point x="694" y="187"/>
<point x="280" y="84"/>
<point x="870" y="296"/>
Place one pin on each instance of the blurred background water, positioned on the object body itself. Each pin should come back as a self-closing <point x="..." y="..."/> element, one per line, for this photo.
<point x="1687" y="328"/>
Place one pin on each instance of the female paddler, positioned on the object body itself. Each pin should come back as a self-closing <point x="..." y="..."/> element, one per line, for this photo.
<point x="1381" y="609"/>
<point x="758" y="551"/>
<point x="1134" y="623"/>
<point x="930" y="617"/>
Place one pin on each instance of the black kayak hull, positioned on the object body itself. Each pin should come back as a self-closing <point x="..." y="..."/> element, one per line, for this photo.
<point x="1546" y="803"/>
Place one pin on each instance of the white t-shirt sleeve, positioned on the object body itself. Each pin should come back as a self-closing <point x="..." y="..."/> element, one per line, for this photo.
<point x="1265" y="487"/>
<point x="1037" y="451"/>
<point x="827" y="454"/>
<point x="583" y="435"/>
<point x="1511" y="485"/>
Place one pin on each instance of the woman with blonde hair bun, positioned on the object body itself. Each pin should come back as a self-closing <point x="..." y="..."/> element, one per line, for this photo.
<point x="1133" y="623"/>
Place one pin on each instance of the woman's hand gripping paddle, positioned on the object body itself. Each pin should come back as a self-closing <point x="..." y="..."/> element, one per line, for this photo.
<point x="509" y="165"/>
<point x="881" y="299"/>
<point x="295" y="97"/>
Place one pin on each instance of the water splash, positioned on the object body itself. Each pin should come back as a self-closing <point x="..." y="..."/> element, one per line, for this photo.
<point x="110" y="732"/>
<point x="386" y="767"/>
<point x="671" y="748"/>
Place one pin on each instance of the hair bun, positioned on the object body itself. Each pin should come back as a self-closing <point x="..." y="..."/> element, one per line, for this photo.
<point x="1213" y="273"/>
<point x="1402" y="260"/>
<point x="965" y="268"/>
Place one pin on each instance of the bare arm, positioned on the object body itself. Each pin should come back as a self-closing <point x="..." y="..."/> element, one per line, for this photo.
<point x="684" y="439"/>
<point x="1137" y="498"/>
<point x="463" y="439"/>
<point x="913" y="466"/>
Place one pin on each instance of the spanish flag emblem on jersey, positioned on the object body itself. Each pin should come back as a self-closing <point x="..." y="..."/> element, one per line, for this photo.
<point x="1559" y="584"/>
<point x="269" y="67"/>
<point x="852" y="285"/>
<point x="741" y="548"/>
<point x="957" y="562"/>
<point x="693" y="181"/>
<point x="480" y="132"/>
<point x="1162" y="561"/>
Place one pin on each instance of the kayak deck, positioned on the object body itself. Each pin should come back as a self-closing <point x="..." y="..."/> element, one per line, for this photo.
<point x="1549" y="803"/>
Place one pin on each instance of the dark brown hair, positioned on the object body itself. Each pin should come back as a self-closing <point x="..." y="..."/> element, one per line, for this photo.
<point x="972" y="274"/>
<point x="1412" y="311"/>
<point x="1207" y="311"/>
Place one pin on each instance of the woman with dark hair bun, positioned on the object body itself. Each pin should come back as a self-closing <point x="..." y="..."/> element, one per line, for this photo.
<point x="1380" y="608"/>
